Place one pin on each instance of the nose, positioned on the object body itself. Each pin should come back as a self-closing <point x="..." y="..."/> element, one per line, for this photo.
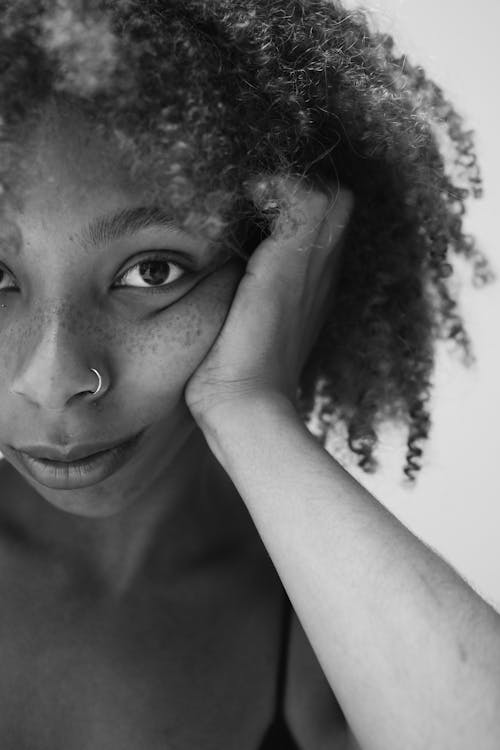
<point x="56" y="369"/>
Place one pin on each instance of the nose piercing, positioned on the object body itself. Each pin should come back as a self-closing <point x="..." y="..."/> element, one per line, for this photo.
<point x="100" y="382"/>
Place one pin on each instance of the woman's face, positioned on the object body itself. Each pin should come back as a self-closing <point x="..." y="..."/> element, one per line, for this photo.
<point x="74" y="297"/>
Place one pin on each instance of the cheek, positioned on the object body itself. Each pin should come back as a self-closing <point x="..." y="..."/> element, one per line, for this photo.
<point x="167" y="352"/>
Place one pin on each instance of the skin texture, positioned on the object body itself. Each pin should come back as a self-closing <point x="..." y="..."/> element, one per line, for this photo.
<point x="63" y="319"/>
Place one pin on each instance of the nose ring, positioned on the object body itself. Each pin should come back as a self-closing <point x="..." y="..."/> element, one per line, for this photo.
<point x="100" y="382"/>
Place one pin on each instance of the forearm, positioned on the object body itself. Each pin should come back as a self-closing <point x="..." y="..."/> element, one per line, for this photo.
<point x="410" y="650"/>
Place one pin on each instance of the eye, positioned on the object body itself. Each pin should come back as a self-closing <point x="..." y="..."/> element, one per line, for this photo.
<point x="153" y="272"/>
<point x="3" y="275"/>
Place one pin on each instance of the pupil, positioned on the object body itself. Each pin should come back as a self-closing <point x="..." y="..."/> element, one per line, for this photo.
<point x="154" y="277"/>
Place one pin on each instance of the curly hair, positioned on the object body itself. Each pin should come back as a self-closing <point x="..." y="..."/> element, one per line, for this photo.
<point x="202" y="99"/>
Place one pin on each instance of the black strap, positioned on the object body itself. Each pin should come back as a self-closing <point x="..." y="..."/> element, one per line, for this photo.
<point x="286" y="620"/>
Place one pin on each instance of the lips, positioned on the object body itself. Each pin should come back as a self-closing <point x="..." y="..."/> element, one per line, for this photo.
<point x="65" y="454"/>
<point x="73" y="474"/>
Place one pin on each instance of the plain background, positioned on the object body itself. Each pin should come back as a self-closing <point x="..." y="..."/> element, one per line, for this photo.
<point x="455" y="507"/>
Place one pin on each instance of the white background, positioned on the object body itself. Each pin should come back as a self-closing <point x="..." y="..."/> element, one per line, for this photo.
<point x="455" y="507"/>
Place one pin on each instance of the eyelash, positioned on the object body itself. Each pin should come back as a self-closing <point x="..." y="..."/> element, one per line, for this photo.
<point x="154" y="290"/>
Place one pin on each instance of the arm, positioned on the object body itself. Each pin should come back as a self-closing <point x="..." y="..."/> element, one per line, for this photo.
<point x="410" y="650"/>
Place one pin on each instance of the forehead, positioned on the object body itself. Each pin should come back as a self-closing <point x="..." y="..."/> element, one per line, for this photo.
<point x="66" y="158"/>
<point x="70" y="174"/>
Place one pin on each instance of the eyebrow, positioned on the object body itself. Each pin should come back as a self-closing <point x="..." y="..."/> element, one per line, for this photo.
<point x="110" y="227"/>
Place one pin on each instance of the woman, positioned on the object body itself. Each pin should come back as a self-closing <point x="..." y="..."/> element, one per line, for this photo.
<point x="219" y="220"/>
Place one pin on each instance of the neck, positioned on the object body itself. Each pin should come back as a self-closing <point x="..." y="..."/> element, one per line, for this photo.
<point x="188" y="516"/>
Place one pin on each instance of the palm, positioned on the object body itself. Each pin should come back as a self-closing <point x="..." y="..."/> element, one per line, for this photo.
<point x="278" y="308"/>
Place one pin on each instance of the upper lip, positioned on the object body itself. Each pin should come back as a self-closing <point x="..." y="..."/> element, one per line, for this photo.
<point x="67" y="453"/>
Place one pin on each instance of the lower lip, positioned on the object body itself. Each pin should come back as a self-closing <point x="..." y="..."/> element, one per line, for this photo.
<point x="70" y="476"/>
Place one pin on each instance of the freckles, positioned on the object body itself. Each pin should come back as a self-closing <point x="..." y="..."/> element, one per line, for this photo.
<point x="190" y="324"/>
<point x="15" y="339"/>
<point x="195" y="320"/>
<point x="184" y="327"/>
<point x="191" y="336"/>
<point x="173" y="330"/>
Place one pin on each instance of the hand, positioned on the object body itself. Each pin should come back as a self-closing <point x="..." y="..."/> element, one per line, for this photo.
<point x="278" y="308"/>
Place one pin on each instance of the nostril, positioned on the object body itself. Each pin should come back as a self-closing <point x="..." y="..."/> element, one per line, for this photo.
<point x="52" y="393"/>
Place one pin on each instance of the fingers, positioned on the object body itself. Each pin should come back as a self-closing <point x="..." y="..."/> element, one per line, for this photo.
<point x="336" y="217"/>
<point x="313" y="221"/>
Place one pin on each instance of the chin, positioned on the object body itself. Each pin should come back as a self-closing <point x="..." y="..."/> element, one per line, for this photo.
<point x="85" y="503"/>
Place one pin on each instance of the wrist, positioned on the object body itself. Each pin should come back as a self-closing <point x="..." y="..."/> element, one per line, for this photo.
<point x="234" y="424"/>
<point x="226" y="408"/>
